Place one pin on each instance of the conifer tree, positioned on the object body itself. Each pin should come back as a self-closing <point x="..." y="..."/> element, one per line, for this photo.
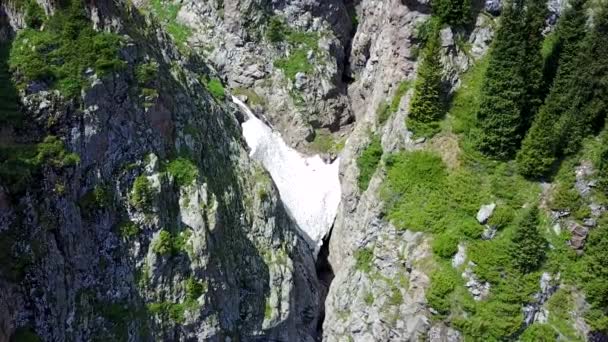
<point x="499" y="116"/>
<point x="453" y="12"/>
<point x="528" y="245"/>
<point x="427" y="105"/>
<point x="539" y="148"/>
<point x="588" y="95"/>
<point x="532" y="62"/>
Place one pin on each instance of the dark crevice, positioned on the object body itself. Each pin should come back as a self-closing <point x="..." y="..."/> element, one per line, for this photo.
<point x="325" y="274"/>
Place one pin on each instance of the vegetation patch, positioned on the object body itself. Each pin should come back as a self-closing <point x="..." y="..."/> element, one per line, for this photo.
<point x="63" y="51"/>
<point x="364" y="259"/>
<point x="183" y="171"/>
<point x="170" y="244"/>
<point x="142" y="194"/>
<point x="166" y="11"/>
<point x="368" y="161"/>
<point x="325" y="142"/>
<point x="300" y="44"/>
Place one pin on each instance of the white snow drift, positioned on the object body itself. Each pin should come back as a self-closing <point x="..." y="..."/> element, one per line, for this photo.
<point x="309" y="188"/>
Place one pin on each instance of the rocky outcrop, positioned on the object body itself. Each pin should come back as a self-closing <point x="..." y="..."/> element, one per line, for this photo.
<point x="232" y="34"/>
<point x="164" y="229"/>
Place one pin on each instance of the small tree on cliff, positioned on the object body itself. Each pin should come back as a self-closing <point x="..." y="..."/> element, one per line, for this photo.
<point x="427" y="104"/>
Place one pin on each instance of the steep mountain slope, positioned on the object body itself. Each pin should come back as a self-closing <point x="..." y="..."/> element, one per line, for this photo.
<point x="133" y="206"/>
<point x="156" y="225"/>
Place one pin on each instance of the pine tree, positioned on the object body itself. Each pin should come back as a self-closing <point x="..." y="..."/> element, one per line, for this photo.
<point x="539" y="148"/>
<point x="532" y="63"/>
<point x="499" y="116"/>
<point x="588" y="95"/>
<point x="453" y="12"/>
<point x="528" y="245"/>
<point x="427" y="104"/>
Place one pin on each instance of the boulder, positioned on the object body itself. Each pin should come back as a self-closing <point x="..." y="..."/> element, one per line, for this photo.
<point x="485" y="212"/>
<point x="493" y="6"/>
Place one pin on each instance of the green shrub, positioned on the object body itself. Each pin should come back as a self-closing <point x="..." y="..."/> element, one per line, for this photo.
<point x="368" y="161"/>
<point x="194" y="288"/>
<point x="168" y="243"/>
<point x="183" y="171"/>
<point x="296" y="62"/>
<point x="445" y="245"/>
<point x="166" y="11"/>
<point x="383" y="112"/>
<point x="98" y="198"/>
<point x="443" y="284"/>
<point x="539" y="333"/>
<point x="34" y="15"/>
<point x="396" y="298"/>
<point x="128" y="230"/>
<point x="364" y="259"/>
<point x="142" y="193"/>
<point x="215" y="87"/>
<point x="325" y="142"/>
<point x="276" y="30"/>
<point x="173" y="311"/>
<point x="163" y="244"/>
<point x="51" y="151"/>
<point x="412" y="190"/>
<point x="402" y="89"/>
<point x="146" y="73"/>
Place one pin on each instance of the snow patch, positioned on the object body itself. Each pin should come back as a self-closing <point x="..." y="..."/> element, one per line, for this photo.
<point x="309" y="188"/>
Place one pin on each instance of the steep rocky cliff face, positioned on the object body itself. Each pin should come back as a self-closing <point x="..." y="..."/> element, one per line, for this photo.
<point x="133" y="208"/>
<point x="155" y="225"/>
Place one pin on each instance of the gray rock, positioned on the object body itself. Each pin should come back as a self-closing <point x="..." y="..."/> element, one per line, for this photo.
<point x="485" y="212"/>
<point x="460" y="257"/>
<point x="447" y="37"/>
<point x="493" y="6"/>
<point x="489" y="232"/>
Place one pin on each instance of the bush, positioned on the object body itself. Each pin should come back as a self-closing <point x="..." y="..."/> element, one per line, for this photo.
<point x="51" y="151"/>
<point x="163" y="244"/>
<point x="166" y="12"/>
<point x="368" y="162"/>
<point x="445" y="245"/>
<point x="215" y="87"/>
<point x="142" y="193"/>
<point x="128" y="230"/>
<point x="443" y="284"/>
<point x="364" y="258"/>
<point x="146" y="73"/>
<point x="194" y="289"/>
<point x="538" y="332"/>
<point x="276" y="30"/>
<point x="183" y="171"/>
<point x="383" y="112"/>
<point x="34" y="15"/>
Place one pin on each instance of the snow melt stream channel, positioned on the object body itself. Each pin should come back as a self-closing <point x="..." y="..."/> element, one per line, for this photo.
<point x="309" y="188"/>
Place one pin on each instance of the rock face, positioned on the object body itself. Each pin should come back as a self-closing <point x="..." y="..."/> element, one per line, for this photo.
<point x="232" y="34"/>
<point x="212" y="258"/>
<point x="221" y="257"/>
